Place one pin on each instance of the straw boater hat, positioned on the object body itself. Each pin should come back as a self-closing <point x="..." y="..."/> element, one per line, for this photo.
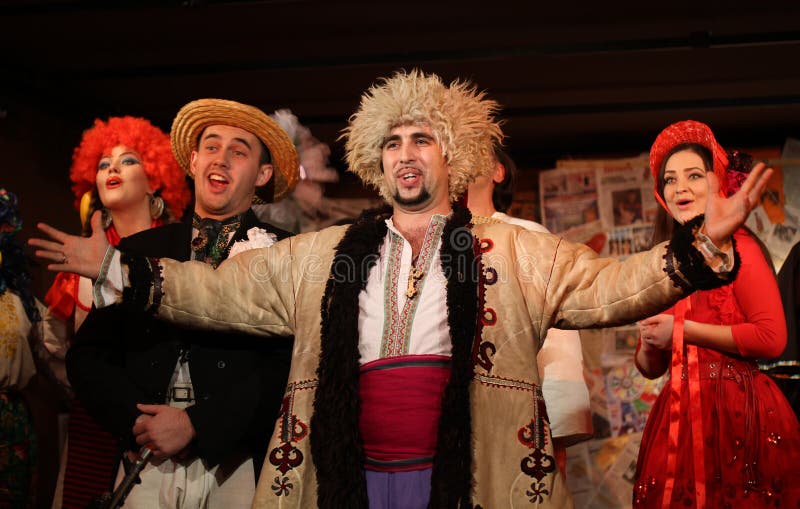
<point x="197" y="115"/>
<point x="461" y="118"/>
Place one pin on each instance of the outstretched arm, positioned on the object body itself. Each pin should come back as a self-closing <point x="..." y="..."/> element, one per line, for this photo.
<point x="587" y="291"/>
<point x="250" y="293"/>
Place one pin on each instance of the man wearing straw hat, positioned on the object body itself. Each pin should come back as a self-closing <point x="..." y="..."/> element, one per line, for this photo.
<point x="203" y="402"/>
<point x="414" y="380"/>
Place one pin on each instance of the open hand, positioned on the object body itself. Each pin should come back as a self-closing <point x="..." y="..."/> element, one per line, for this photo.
<point x="167" y="430"/>
<point x="725" y="215"/>
<point x="71" y="253"/>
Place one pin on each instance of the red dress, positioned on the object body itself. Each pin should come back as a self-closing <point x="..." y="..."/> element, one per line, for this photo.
<point x="750" y="442"/>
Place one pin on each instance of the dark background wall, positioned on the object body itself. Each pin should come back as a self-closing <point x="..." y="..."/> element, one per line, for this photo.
<point x="574" y="78"/>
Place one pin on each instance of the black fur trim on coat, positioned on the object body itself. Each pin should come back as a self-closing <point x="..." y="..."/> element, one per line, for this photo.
<point x="336" y="444"/>
<point x="687" y="267"/>
<point x="145" y="277"/>
<point x="451" y="483"/>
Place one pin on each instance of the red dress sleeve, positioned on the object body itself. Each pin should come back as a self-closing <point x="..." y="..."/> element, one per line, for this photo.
<point x="763" y="332"/>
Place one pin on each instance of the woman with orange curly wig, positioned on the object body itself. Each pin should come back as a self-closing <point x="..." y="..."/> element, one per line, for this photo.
<point x="135" y="145"/>
<point x="125" y="168"/>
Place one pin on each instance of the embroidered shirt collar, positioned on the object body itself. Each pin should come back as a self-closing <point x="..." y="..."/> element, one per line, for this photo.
<point x="434" y="218"/>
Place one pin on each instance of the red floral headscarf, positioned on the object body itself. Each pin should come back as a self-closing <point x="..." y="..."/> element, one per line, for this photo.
<point x="688" y="131"/>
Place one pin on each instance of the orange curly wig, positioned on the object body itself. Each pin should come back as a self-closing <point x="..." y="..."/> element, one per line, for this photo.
<point x="152" y="144"/>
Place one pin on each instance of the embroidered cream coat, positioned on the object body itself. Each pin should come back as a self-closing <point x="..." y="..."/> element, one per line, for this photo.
<point x="542" y="281"/>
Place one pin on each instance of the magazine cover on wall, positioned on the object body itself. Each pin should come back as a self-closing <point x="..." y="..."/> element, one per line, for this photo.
<point x="625" y="202"/>
<point x="776" y="220"/>
<point x="569" y="202"/>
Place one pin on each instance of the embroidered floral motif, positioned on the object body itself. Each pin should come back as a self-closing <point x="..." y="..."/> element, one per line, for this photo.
<point x="490" y="275"/>
<point x="256" y="238"/>
<point x="525" y="435"/>
<point x="486" y="351"/>
<point x="538" y="464"/>
<point x="287" y="456"/>
<point x="489" y="317"/>
<point x="483" y="351"/>
<point x="282" y="486"/>
<point x="390" y="293"/>
<point x="532" y="435"/>
<point x="537" y="492"/>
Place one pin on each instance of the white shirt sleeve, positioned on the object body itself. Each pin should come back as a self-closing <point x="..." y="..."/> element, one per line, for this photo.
<point x="110" y="281"/>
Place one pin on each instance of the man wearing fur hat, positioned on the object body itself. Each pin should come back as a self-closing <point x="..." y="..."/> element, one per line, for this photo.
<point x="414" y="380"/>
<point x="203" y="402"/>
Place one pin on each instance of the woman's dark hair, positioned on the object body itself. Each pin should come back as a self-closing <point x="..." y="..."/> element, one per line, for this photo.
<point x="664" y="223"/>
<point x="503" y="193"/>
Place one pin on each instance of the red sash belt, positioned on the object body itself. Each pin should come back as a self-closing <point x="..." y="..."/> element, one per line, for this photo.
<point x="401" y="401"/>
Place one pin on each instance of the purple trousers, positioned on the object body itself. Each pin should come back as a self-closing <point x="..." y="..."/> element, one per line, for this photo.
<point x="399" y="490"/>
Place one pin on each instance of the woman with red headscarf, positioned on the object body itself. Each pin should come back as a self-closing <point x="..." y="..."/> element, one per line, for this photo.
<point x="721" y="434"/>
<point x="125" y="168"/>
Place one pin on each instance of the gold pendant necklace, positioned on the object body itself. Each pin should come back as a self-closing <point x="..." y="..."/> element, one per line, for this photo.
<point x="414" y="275"/>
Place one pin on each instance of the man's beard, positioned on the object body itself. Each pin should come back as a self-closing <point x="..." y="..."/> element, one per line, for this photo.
<point x="422" y="197"/>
